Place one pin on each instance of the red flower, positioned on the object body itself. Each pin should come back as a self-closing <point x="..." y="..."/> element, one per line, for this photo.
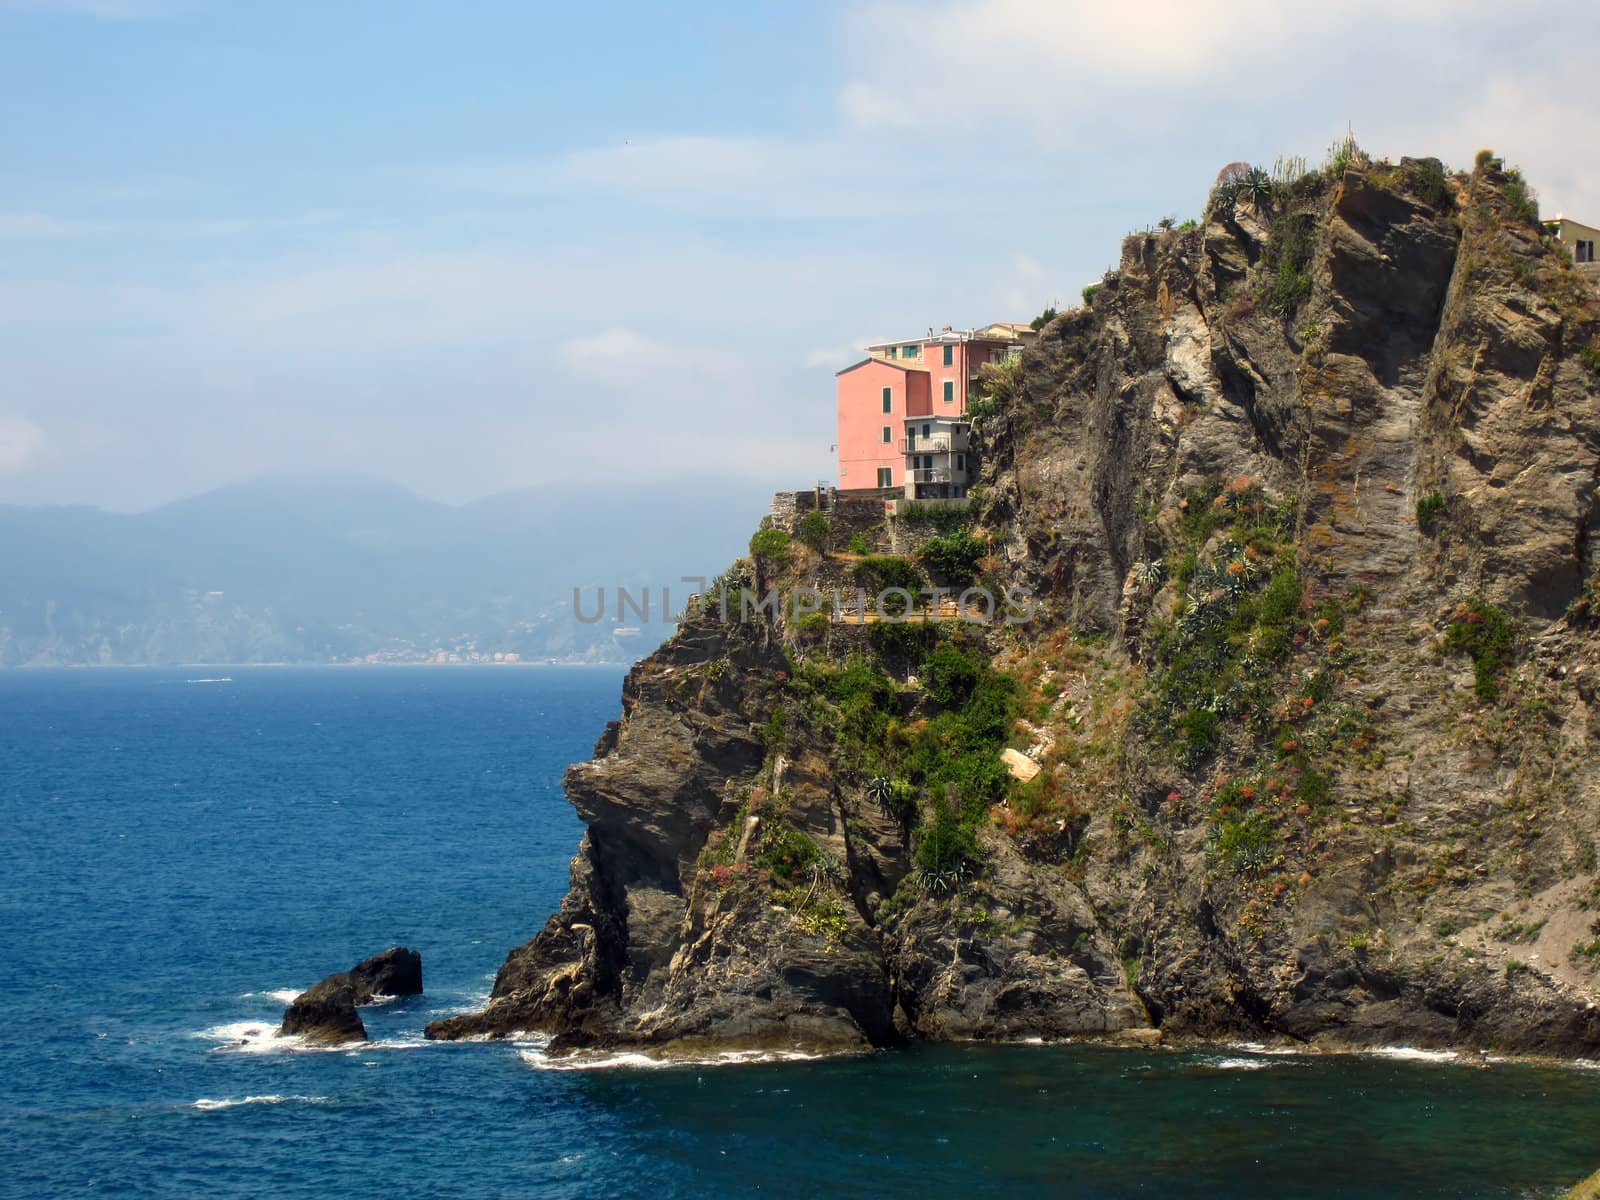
<point x="1173" y="797"/>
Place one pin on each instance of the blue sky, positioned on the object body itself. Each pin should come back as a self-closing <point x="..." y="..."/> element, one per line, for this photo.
<point x="477" y="246"/>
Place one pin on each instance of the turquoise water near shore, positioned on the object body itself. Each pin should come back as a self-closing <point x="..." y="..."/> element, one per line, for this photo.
<point x="179" y="857"/>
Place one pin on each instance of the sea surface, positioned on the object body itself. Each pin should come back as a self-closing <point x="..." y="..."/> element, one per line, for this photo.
<point x="178" y="858"/>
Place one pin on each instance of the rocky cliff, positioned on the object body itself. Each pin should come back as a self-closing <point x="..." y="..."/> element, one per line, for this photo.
<point x="1305" y="498"/>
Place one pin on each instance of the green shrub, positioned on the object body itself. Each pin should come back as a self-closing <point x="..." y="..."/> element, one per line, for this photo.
<point x="1089" y="291"/>
<point x="812" y="623"/>
<point x="1197" y="734"/>
<point x="1524" y="205"/>
<point x="1428" y="180"/>
<point x="954" y="557"/>
<point x="1044" y="318"/>
<point x="944" y="517"/>
<point x="949" y="675"/>
<point x="1484" y="158"/>
<point x="1483" y="631"/>
<point x="1287" y="257"/>
<point x="814" y="529"/>
<point x="947" y="849"/>
<point x="770" y="543"/>
<point x="1245" y="844"/>
<point x="880" y="572"/>
<point x="1280" y="603"/>
<point x="900" y="641"/>
<point x="1429" y="509"/>
<point x="858" y="545"/>
<point x="788" y="854"/>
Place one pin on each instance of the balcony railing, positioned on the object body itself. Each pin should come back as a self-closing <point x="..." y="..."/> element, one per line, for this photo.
<point x="923" y="475"/>
<point x="937" y="443"/>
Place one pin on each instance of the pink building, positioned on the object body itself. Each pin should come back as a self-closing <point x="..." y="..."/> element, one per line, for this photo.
<point x="902" y="410"/>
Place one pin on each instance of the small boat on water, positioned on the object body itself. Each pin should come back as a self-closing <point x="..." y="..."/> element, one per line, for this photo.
<point x="224" y="679"/>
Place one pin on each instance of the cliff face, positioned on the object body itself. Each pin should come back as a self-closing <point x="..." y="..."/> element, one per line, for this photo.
<point x="1307" y="497"/>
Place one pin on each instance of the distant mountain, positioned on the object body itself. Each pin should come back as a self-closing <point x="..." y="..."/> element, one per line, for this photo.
<point x="321" y="569"/>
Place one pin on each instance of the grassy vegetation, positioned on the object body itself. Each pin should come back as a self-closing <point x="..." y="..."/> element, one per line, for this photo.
<point x="815" y="531"/>
<point x="1483" y="631"/>
<point x="770" y="543"/>
<point x="879" y="572"/>
<point x="1287" y="261"/>
<point x="955" y="556"/>
<point x="945" y="517"/>
<point x="1429" y="511"/>
<point x="1236" y="617"/>
<point x="1520" y="197"/>
<point x="939" y="774"/>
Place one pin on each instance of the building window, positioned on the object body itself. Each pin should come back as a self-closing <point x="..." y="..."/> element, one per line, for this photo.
<point x="910" y="351"/>
<point x="888" y="435"/>
<point x="949" y="356"/>
<point x="888" y="400"/>
<point x="885" y="476"/>
<point x="949" y="391"/>
<point x="889" y="353"/>
<point x="1586" y="251"/>
<point x="961" y="462"/>
<point x="927" y="429"/>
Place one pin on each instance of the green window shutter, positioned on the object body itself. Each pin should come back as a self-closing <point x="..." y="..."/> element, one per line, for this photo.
<point x="949" y="356"/>
<point x="888" y="400"/>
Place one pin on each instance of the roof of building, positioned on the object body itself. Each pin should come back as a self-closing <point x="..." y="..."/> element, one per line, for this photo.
<point x="882" y="362"/>
<point x="1563" y="219"/>
<point x="995" y="331"/>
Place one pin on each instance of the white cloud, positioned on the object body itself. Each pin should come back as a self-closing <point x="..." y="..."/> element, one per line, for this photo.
<point x="626" y="358"/>
<point x="1087" y="71"/>
<point x="829" y="178"/>
<point x="21" y="443"/>
<point x="1530" y="120"/>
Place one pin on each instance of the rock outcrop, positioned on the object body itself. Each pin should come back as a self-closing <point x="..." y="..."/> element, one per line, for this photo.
<point x="326" y="1011"/>
<point x="1306" y="499"/>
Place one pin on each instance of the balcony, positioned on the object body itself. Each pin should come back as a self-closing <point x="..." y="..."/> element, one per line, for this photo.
<point x="936" y="443"/>
<point x="936" y="475"/>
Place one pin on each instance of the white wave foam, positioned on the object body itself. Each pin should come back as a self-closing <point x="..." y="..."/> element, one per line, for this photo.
<point x="259" y="1037"/>
<point x="535" y="1056"/>
<point x="277" y="995"/>
<point x="205" y="1105"/>
<point x="1413" y="1054"/>
<point x="1239" y="1064"/>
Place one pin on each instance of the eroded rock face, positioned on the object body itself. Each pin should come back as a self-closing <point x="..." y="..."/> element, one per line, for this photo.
<point x="395" y="972"/>
<point x="1422" y="340"/>
<point x="326" y="1011"/>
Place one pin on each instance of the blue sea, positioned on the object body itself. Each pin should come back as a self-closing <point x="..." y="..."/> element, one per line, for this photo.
<point x="179" y="858"/>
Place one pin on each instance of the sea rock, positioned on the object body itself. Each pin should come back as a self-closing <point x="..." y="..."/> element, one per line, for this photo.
<point x="395" y="972"/>
<point x="326" y="1011"/>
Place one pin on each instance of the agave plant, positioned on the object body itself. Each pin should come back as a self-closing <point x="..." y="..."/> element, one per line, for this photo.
<point x="945" y="880"/>
<point x="880" y="790"/>
<point x="1256" y="187"/>
<point x="1151" y="573"/>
